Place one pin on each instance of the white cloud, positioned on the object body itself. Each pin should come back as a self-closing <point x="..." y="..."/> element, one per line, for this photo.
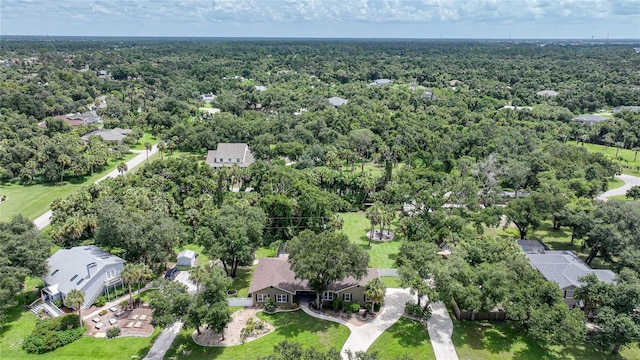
<point x="169" y="14"/>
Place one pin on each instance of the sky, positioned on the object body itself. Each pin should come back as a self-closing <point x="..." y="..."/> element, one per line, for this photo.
<point x="469" y="19"/>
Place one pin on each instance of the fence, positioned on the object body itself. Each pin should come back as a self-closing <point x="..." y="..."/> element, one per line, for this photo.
<point x="240" y="301"/>
<point x="388" y="272"/>
<point x="495" y="314"/>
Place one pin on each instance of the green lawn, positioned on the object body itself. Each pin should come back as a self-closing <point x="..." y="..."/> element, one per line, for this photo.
<point x="21" y="322"/>
<point x="264" y="252"/>
<point x="614" y="184"/>
<point x="481" y="340"/>
<point x="146" y="137"/>
<point x="404" y="338"/>
<point x="620" y="198"/>
<point x="34" y="200"/>
<point x="242" y="281"/>
<point x="382" y="255"/>
<point x="391" y="282"/>
<point x="628" y="164"/>
<point x="293" y="326"/>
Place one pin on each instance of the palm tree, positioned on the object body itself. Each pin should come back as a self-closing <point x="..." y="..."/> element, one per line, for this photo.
<point x="64" y="160"/>
<point x="144" y="274"/>
<point x="122" y="167"/>
<point x="129" y="276"/>
<point x="197" y="274"/>
<point x="373" y="214"/>
<point x="162" y="146"/>
<point x="375" y="291"/>
<point x="148" y="146"/>
<point x="75" y="299"/>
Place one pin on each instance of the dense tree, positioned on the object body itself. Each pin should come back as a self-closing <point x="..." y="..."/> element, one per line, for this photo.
<point x="633" y="192"/>
<point x="324" y="258"/>
<point x="375" y="291"/>
<point x="524" y="214"/>
<point x="231" y="234"/>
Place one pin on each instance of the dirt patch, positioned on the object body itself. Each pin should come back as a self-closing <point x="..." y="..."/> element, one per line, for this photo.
<point x="232" y="334"/>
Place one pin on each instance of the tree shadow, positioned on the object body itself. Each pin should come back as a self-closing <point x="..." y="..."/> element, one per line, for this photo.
<point x="409" y="333"/>
<point x="14" y="313"/>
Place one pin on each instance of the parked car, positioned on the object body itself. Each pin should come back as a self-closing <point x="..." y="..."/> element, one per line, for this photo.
<point x="172" y="273"/>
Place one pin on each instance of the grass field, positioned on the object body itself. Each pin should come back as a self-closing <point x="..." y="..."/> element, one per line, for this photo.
<point x="382" y="255"/>
<point x="629" y="166"/>
<point x="21" y="322"/>
<point x="34" y="200"/>
<point x="481" y="340"/>
<point x="146" y="137"/>
<point x="293" y="326"/>
<point x="404" y="338"/>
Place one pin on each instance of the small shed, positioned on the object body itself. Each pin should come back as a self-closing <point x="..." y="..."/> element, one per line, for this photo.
<point x="187" y="258"/>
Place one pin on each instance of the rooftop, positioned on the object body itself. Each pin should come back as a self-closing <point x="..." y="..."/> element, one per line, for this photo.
<point x="590" y="118"/>
<point x="565" y="268"/>
<point x="275" y="272"/>
<point x="337" y="101"/>
<point x="548" y="93"/>
<point x="229" y="154"/>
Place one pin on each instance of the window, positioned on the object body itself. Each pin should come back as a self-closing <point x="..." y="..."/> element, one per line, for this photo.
<point x="282" y="298"/>
<point x="229" y="159"/>
<point x="221" y="159"/>
<point x="366" y="298"/>
<point x="568" y="294"/>
<point x="80" y="281"/>
<point x="74" y="277"/>
<point x="347" y="297"/>
<point x="111" y="274"/>
<point x="328" y="295"/>
<point x="55" y="272"/>
<point x="261" y="297"/>
<point x="237" y="160"/>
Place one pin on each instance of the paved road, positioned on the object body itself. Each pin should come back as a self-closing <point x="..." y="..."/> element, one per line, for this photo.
<point x="440" y="329"/>
<point x="45" y="219"/>
<point x="167" y="336"/>
<point x="163" y="342"/>
<point x="629" y="182"/>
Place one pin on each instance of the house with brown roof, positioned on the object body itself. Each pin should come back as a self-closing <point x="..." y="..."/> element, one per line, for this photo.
<point x="230" y="154"/>
<point x="274" y="279"/>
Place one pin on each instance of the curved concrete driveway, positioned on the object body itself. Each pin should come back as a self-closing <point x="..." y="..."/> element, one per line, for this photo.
<point x="44" y="220"/>
<point x="362" y="337"/>
<point x="629" y="182"/>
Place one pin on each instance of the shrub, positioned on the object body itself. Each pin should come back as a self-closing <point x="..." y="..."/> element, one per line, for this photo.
<point x="124" y="303"/>
<point x="100" y="301"/>
<point x="415" y="310"/>
<point x="367" y="306"/>
<point x="113" y="332"/>
<point x="294" y="305"/>
<point x="376" y="307"/>
<point x="57" y="302"/>
<point x="102" y="312"/>
<point x="354" y="307"/>
<point x="270" y="305"/>
<point x="50" y="334"/>
<point x="337" y="304"/>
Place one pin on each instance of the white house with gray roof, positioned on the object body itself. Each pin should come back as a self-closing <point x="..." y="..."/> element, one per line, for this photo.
<point x="230" y="154"/>
<point x="86" y="268"/>
<point x="380" y="82"/>
<point x="562" y="267"/>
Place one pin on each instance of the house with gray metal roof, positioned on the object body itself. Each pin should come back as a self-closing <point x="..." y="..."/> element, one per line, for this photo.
<point x="109" y="135"/>
<point x="562" y="267"/>
<point x="86" y="268"/>
<point x="617" y="109"/>
<point x="380" y="82"/>
<point x="337" y="101"/>
<point x="548" y="93"/>
<point x="230" y="154"/>
<point x="590" y="119"/>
